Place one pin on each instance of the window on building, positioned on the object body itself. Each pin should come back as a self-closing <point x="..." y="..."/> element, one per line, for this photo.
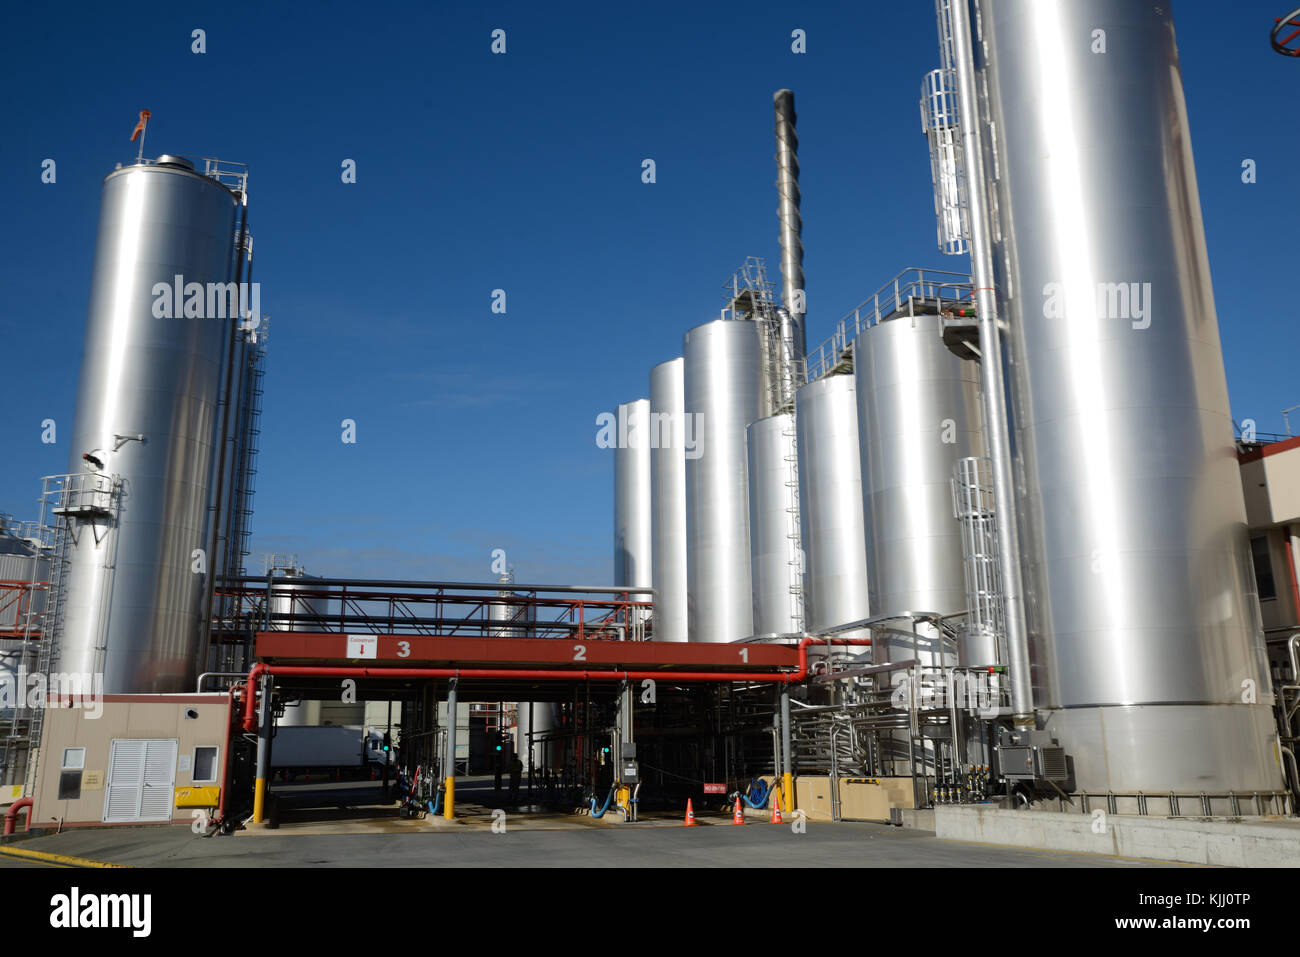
<point x="74" y="762"/>
<point x="205" y="764"/>
<point x="1260" y="552"/>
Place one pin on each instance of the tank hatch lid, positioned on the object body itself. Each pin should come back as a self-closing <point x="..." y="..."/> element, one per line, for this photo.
<point x="180" y="162"/>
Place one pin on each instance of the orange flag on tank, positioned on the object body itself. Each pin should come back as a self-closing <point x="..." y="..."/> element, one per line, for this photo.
<point x="139" y="127"/>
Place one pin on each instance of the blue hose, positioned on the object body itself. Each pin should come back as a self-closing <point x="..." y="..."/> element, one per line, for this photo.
<point x="764" y="792"/>
<point x="601" y="813"/>
<point x="435" y="803"/>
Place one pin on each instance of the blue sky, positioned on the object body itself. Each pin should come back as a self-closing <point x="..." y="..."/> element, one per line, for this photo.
<point x="523" y="172"/>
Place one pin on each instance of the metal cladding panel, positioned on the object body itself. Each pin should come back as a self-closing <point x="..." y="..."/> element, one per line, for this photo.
<point x="773" y="533"/>
<point x="724" y="389"/>
<point x="1138" y="575"/>
<point x="632" y="538"/>
<point x="830" y="505"/>
<point x="134" y="603"/>
<point x="919" y="411"/>
<point x="668" y="500"/>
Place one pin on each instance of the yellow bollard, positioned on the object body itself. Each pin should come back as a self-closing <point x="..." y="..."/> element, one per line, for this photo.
<point x="787" y="792"/>
<point x="259" y="799"/>
<point x="449" y="799"/>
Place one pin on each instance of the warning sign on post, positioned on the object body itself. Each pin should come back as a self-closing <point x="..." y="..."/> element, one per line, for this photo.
<point x="362" y="646"/>
<point x="715" y="789"/>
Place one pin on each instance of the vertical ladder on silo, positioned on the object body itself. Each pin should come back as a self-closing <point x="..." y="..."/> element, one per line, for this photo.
<point x="793" y="531"/>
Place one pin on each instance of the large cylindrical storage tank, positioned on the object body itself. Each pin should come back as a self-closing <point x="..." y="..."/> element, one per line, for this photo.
<point x="830" y="505"/>
<point x="134" y="602"/>
<point x="919" y="411"/>
<point x="776" y="569"/>
<point x="542" y="722"/>
<point x="23" y="565"/>
<point x="297" y="606"/>
<point x="632" y="540"/>
<point x="724" y="391"/>
<point x="1140" y="592"/>
<point x="668" y="499"/>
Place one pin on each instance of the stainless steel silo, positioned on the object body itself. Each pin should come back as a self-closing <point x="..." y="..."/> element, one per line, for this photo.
<point x="147" y="409"/>
<point x="632" y="539"/>
<point x="1140" y="593"/>
<point x="776" y="565"/>
<point x="25" y="574"/>
<point x="668" y="499"/>
<point x="724" y="389"/>
<point x="918" y="413"/>
<point x="542" y="722"/>
<point x="298" y="605"/>
<point x="830" y="505"/>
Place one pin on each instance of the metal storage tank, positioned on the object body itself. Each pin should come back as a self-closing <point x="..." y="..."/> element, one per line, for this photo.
<point x="292" y="609"/>
<point x="542" y="722"/>
<point x="510" y="620"/>
<point x="134" y="603"/>
<point x="668" y="500"/>
<point x="632" y="540"/>
<point x="724" y="387"/>
<point x="830" y="505"/>
<point x="919" y="411"/>
<point x="1140" y="592"/>
<point x="22" y="562"/>
<point x="776" y="566"/>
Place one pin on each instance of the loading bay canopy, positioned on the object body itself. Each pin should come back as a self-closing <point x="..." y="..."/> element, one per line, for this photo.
<point x="370" y="656"/>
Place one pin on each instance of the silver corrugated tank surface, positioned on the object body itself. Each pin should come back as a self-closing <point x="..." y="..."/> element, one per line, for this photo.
<point x="134" y="601"/>
<point x="918" y="413"/>
<point x="1140" y="591"/>
<point x="830" y="505"/>
<point x="724" y="389"/>
<point x="632" y="539"/>
<point x="668" y="499"/>
<point x="775" y="563"/>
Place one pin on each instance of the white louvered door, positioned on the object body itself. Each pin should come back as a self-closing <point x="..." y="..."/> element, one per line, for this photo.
<point x="141" y="780"/>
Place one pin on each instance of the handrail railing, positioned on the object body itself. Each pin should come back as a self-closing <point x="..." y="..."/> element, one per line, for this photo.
<point x="902" y="295"/>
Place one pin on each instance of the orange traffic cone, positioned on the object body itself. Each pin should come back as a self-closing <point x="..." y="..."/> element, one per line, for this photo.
<point x="690" y="815"/>
<point x="776" y="811"/>
<point x="739" y="816"/>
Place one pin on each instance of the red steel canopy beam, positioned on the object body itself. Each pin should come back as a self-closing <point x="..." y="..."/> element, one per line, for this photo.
<point x="603" y="674"/>
<point x="410" y="650"/>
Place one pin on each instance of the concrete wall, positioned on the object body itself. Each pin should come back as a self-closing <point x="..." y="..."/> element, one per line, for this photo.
<point x="124" y="716"/>
<point x="1273" y="842"/>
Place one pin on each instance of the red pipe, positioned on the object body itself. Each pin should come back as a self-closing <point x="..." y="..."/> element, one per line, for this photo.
<point x="225" y="760"/>
<point x="11" y="815"/>
<point x="1290" y="564"/>
<point x="332" y="671"/>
